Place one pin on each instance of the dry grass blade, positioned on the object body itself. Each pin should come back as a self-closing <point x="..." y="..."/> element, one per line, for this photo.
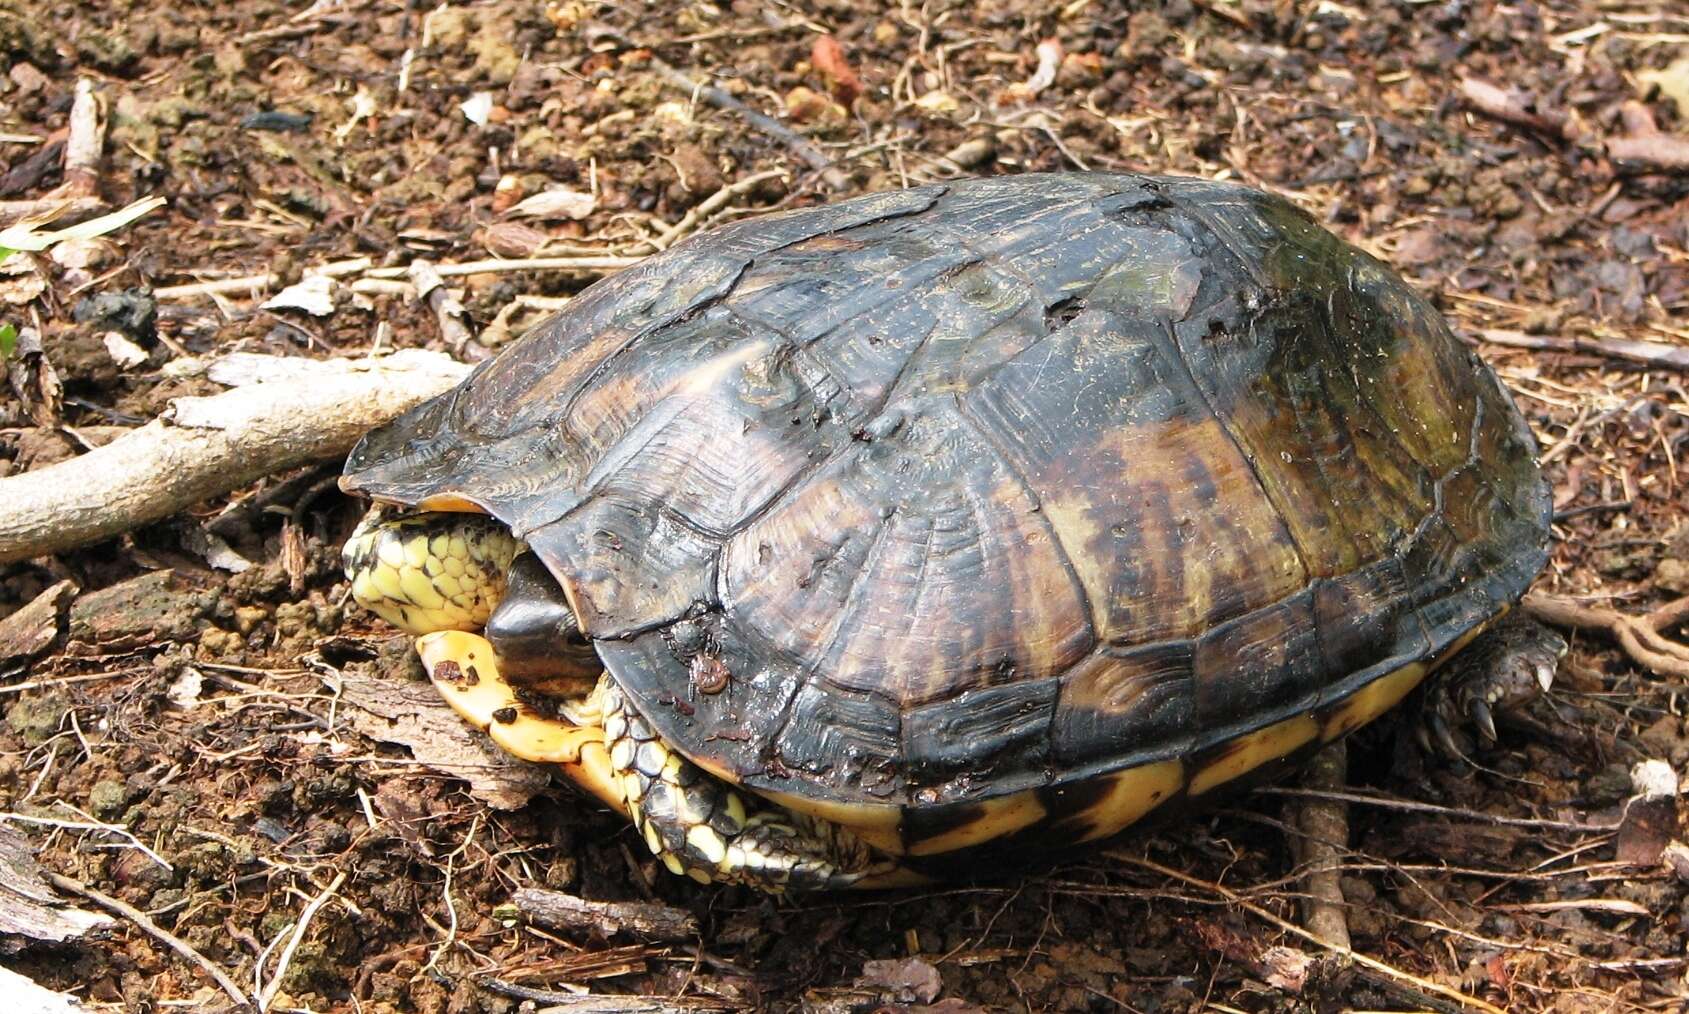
<point x="268" y="995"/>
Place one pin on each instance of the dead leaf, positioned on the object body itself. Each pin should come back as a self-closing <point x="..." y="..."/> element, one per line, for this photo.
<point x="512" y="239"/>
<point x="1673" y="83"/>
<point x="314" y="294"/>
<point x="125" y="353"/>
<point x="20" y="281"/>
<point x="829" y="60"/>
<point x="555" y="205"/>
<point x="938" y="102"/>
<point x="1650" y="816"/>
<point x="33" y="378"/>
<point x="907" y="980"/>
<point x="185" y="688"/>
<point x="478" y="108"/>
<point x="1286" y="968"/>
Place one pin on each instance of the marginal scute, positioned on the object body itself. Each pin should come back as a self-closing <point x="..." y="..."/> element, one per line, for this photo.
<point x="1245" y="753"/>
<point x="1127" y="797"/>
<point x="1369" y="701"/>
<point x="985" y="821"/>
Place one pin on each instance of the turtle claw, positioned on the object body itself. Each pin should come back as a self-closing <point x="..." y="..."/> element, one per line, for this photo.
<point x="1481" y="717"/>
<point x="1442" y="736"/>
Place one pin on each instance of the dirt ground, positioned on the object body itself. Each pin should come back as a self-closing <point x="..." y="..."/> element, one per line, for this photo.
<point x="214" y="694"/>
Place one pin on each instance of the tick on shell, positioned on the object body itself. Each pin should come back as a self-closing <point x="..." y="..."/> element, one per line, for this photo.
<point x="710" y="675"/>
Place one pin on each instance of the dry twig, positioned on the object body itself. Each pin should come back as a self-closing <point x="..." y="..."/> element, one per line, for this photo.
<point x="447" y="309"/>
<point x="1511" y="107"/>
<point x="1655" y="354"/>
<point x="1324" y="823"/>
<point x="710" y="204"/>
<point x="1646" y="147"/>
<point x="268" y="994"/>
<point x="83" y="145"/>
<point x="152" y="929"/>
<point x="811" y="156"/>
<point x="1642" y="637"/>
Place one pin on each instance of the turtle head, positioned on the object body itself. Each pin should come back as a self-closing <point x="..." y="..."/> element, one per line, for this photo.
<point x="535" y="632"/>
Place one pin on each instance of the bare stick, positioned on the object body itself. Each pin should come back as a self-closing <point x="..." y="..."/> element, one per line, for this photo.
<point x="204" y="447"/>
<point x="1642" y="637"/>
<point x="641" y="919"/>
<point x="1502" y="105"/>
<point x="447" y="310"/>
<point x="1658" y="151"/>
<point x="1646" y="148"/>
<point x="84" y="144"/>
<point x="1324" y="823"/>
<point x="258" y="283"/>
<point x="1410" y="806"/>
<point x="1657" y="354"/>
<point x="153" y="930"/>
<point x="711" y="203"/>
<point x="590" y="264"/>
<point x="794" y="142"/>
<point x="67" y="209"/>
<point x="90" y="824"/>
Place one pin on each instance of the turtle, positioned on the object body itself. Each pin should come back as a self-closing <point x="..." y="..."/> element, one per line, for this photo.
<point x="862" y="544"/>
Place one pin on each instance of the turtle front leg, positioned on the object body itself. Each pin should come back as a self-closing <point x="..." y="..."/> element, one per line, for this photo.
<point x="695" y="823"/>
<point x="1506" y="667"/>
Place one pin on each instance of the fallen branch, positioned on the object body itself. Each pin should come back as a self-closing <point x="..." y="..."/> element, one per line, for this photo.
<point x="1657" y="151"/>
<point x="1642" y="637"/>
<point x="27" y="907"/>
<point x="204" y="447"/>
<point x="811" y="156"/>
<point x="84" y="144"/>
<point x="65" y="209"/>
<point x="152" y="929"/>
<point x="78" y="196"/>
<point x="640" y="919"/>
<point x="1655" y="354"/>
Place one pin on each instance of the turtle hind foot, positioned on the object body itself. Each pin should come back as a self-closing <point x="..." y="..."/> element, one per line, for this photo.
<point x="1504" y="669"/>
<point x="704" y="828"/>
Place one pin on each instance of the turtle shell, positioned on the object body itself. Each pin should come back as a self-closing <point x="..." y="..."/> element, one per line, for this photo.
<point x="988" y="490"/>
